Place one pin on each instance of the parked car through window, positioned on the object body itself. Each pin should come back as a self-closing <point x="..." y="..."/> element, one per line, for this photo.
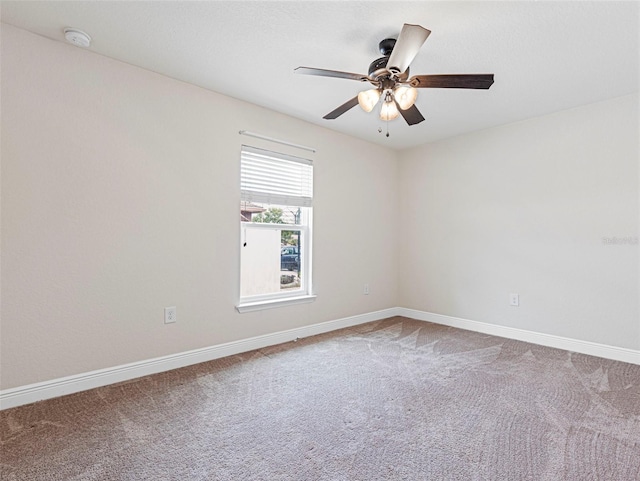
<point x="289" y="258"/>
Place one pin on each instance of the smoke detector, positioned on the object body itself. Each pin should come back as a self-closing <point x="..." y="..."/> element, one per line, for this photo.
<point x="77" y="37"/>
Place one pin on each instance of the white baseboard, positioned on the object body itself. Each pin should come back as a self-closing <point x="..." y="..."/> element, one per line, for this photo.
<point x="584" y="347"/>
<point x="81" y="382"/>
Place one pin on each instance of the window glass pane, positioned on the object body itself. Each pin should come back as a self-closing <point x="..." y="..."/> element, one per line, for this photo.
<point x="270" y="260"/>
<point x="270" y="213"/>
<point x="290" y="265"/>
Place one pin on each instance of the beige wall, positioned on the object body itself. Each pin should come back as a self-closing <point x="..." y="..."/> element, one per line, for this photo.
<point x="120" y="194"/>
<point x="120" y="197"/>
<point x="524" y="208"/>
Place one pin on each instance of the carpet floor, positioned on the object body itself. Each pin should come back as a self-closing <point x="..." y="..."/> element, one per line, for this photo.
<point x="397" y="399"/>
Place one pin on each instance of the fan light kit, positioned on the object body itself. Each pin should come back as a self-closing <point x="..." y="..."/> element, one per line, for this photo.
<point x="390" y="77"/>
<point x="77" y="37"/>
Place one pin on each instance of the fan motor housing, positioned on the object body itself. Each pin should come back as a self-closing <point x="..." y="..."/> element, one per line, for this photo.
<point x="378" y="68"/>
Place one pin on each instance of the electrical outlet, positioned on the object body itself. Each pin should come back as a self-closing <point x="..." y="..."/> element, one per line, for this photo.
<point x="514" y="300"/>
<point x="365" y="291"/>
<point x="170" y="315"/>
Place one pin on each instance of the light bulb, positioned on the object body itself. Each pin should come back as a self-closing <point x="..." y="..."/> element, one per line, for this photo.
<point x="405" y="96"/>
<point x="368" y="99"/>
<point x="389" y="111"/>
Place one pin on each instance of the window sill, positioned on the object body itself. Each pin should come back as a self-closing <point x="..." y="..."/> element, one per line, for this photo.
<point x="272" y="303"/>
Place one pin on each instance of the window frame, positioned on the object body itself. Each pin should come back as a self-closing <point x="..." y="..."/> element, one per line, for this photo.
<point x="304" y="293"/>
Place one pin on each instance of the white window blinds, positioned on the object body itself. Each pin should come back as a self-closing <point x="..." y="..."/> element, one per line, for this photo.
<point x="274" y="178"/>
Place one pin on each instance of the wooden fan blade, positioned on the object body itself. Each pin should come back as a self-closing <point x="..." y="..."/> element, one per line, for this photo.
<point x="407" y="46"/>
<point x="349" y="104"/>
<point x="412" y="115"/>
<point x="331" y="73"/>
<point x="470" y="81"/>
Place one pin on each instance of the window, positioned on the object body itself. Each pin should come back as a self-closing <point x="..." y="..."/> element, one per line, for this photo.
<point x="276" y="192"/>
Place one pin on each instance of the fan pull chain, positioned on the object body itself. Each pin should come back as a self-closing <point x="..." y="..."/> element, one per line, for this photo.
<point x="380" y="129"/>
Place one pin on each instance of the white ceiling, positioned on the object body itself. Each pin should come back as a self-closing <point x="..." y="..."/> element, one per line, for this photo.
<point x="546" y="56"/>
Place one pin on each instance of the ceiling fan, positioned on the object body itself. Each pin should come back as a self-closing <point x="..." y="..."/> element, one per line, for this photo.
<point x="390" y="77"/>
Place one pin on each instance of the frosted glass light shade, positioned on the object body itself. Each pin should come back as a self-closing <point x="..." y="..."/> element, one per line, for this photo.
<point x="368" y="99"/>
<point x="389" y="111"/>
<point x="406" y="96"/>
